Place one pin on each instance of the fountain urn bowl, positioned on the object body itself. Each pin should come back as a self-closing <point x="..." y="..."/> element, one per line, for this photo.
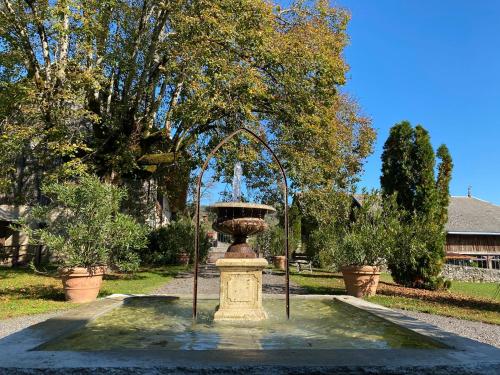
<point x="240" y="220"/>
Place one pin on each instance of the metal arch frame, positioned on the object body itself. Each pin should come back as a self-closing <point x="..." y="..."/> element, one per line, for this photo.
<point x="198" y="198"/>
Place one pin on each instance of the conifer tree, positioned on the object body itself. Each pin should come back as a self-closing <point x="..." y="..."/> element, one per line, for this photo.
<point x="397" y="171"/>
<point x="408" y="164"/>
<point x="443" y="182"/>
<point x="422" y="167"/>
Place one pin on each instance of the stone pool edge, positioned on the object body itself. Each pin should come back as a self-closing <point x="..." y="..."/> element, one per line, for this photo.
<point x="463" y="356"/>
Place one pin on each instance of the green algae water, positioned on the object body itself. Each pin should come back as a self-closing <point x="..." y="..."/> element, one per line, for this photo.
<point x="156" y="323"/>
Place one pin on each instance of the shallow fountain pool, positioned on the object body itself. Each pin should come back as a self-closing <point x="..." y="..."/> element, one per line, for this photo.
<point x="166" y="323"/>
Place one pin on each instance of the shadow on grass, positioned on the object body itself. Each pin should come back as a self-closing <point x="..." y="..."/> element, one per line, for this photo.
<point x="45" y="292"/>
<point x="131" y="276"/>
<point x="323" y="290"/>
<point x="316" y="276"/>
<point x="139" y="275"/>
<point x="47" y="271"/>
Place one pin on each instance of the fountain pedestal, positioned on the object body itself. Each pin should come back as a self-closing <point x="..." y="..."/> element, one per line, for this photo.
<point x="240" y="289"/>
<point x="240" y="269"/>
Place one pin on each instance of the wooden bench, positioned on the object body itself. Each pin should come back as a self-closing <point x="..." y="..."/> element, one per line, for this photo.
<point x="301" y="261"/>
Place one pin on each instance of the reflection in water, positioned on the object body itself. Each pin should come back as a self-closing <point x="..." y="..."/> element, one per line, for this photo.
<point x="159" y="323"/>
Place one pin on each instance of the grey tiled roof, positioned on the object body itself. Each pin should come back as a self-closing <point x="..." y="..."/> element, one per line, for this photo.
<point x="466" y="214"/>
<point x="469" y="214"/>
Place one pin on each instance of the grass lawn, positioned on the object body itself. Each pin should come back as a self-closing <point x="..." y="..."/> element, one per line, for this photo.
<point x="487" y="290"/>
<point x="471" y="301"/>
<point x="24" y="292"/>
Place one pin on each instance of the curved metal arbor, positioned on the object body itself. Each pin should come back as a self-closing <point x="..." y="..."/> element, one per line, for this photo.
<point x="197" y="229"/>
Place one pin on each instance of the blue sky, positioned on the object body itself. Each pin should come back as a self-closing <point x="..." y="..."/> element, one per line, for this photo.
<point x="435" y="63"/>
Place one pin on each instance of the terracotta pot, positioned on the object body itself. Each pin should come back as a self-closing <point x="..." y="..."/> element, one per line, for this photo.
<point x="361" y="281"/>
<point x="279" y="261"/>
<point x="183" y="258"/>
<point x="80" y="285"/>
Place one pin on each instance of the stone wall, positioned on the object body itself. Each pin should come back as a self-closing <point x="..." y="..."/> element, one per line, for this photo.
<point x="474" y="274"/>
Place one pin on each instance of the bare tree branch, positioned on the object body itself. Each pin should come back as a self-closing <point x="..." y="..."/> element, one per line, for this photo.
<point x="42" y="34"/>
<point x="31" y="62"/>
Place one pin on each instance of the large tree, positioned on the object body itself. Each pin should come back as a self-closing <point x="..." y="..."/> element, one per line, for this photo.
<point x="138" y="91"/>
<point x="408" y="171"/>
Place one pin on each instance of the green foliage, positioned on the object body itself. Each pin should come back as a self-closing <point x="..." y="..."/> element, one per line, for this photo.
<point x="408" y="168"/>
<point x="83" y="226"/>
<point x="271" y="242"/>
<point x="368" y="240"/>
<point x="424" y="184"/>
<point x="419" y="255"/>
<point x="105" y="86"/>
<point x="408" y="164"/>
<point x="445" y="168"/>
<point x="168" y="242"/>
<point x="325" y="214"/>
<point x="397" y="167"/>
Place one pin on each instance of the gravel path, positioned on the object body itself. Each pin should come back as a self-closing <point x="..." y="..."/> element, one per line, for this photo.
<point x="208" y="283"/>
<point x="9" y="326"/>
<point x="483" y="332"/>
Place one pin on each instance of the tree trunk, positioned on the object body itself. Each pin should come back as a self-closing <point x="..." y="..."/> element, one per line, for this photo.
<point x="176" y="186"/>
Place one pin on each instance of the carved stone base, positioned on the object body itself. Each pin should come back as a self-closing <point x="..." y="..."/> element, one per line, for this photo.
<point x="240" y="289"/>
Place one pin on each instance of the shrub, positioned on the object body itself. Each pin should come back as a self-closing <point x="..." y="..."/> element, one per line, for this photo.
<point x="418" y="256"/>
<point x="368" y="240"/>
<point x="168" y="242"/>
<point x="82" y="226"/>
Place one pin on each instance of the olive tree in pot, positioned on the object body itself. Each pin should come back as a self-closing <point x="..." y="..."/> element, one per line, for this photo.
<point x="367" y="243"/>
<point x="84" y="230"/>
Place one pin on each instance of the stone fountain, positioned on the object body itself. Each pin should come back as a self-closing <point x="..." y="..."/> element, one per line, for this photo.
<point x="240" y="269"/>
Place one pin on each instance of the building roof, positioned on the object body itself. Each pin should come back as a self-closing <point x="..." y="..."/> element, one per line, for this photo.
<point x="466" y="215"/>
<point x="469" y="215"/>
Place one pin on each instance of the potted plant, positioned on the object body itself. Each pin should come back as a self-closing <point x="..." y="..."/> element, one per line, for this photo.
<point x="366" y="244"/>
<point x="84" y="230"/>
<point x="279" y="261"/>
<point x="183" y="258"/>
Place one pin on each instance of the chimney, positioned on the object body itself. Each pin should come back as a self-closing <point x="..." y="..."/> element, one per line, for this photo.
<point x="469" y="191"/>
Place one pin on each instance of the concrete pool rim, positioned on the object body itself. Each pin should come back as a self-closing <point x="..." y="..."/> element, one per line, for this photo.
<point x="463" y="355"/>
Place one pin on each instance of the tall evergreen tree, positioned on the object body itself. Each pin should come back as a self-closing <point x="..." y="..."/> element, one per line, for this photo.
<point x="422" y="166"/>
<point x="408" y="164"/>
<point x="443" y="182"/>
<point x="397" y="170"/>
